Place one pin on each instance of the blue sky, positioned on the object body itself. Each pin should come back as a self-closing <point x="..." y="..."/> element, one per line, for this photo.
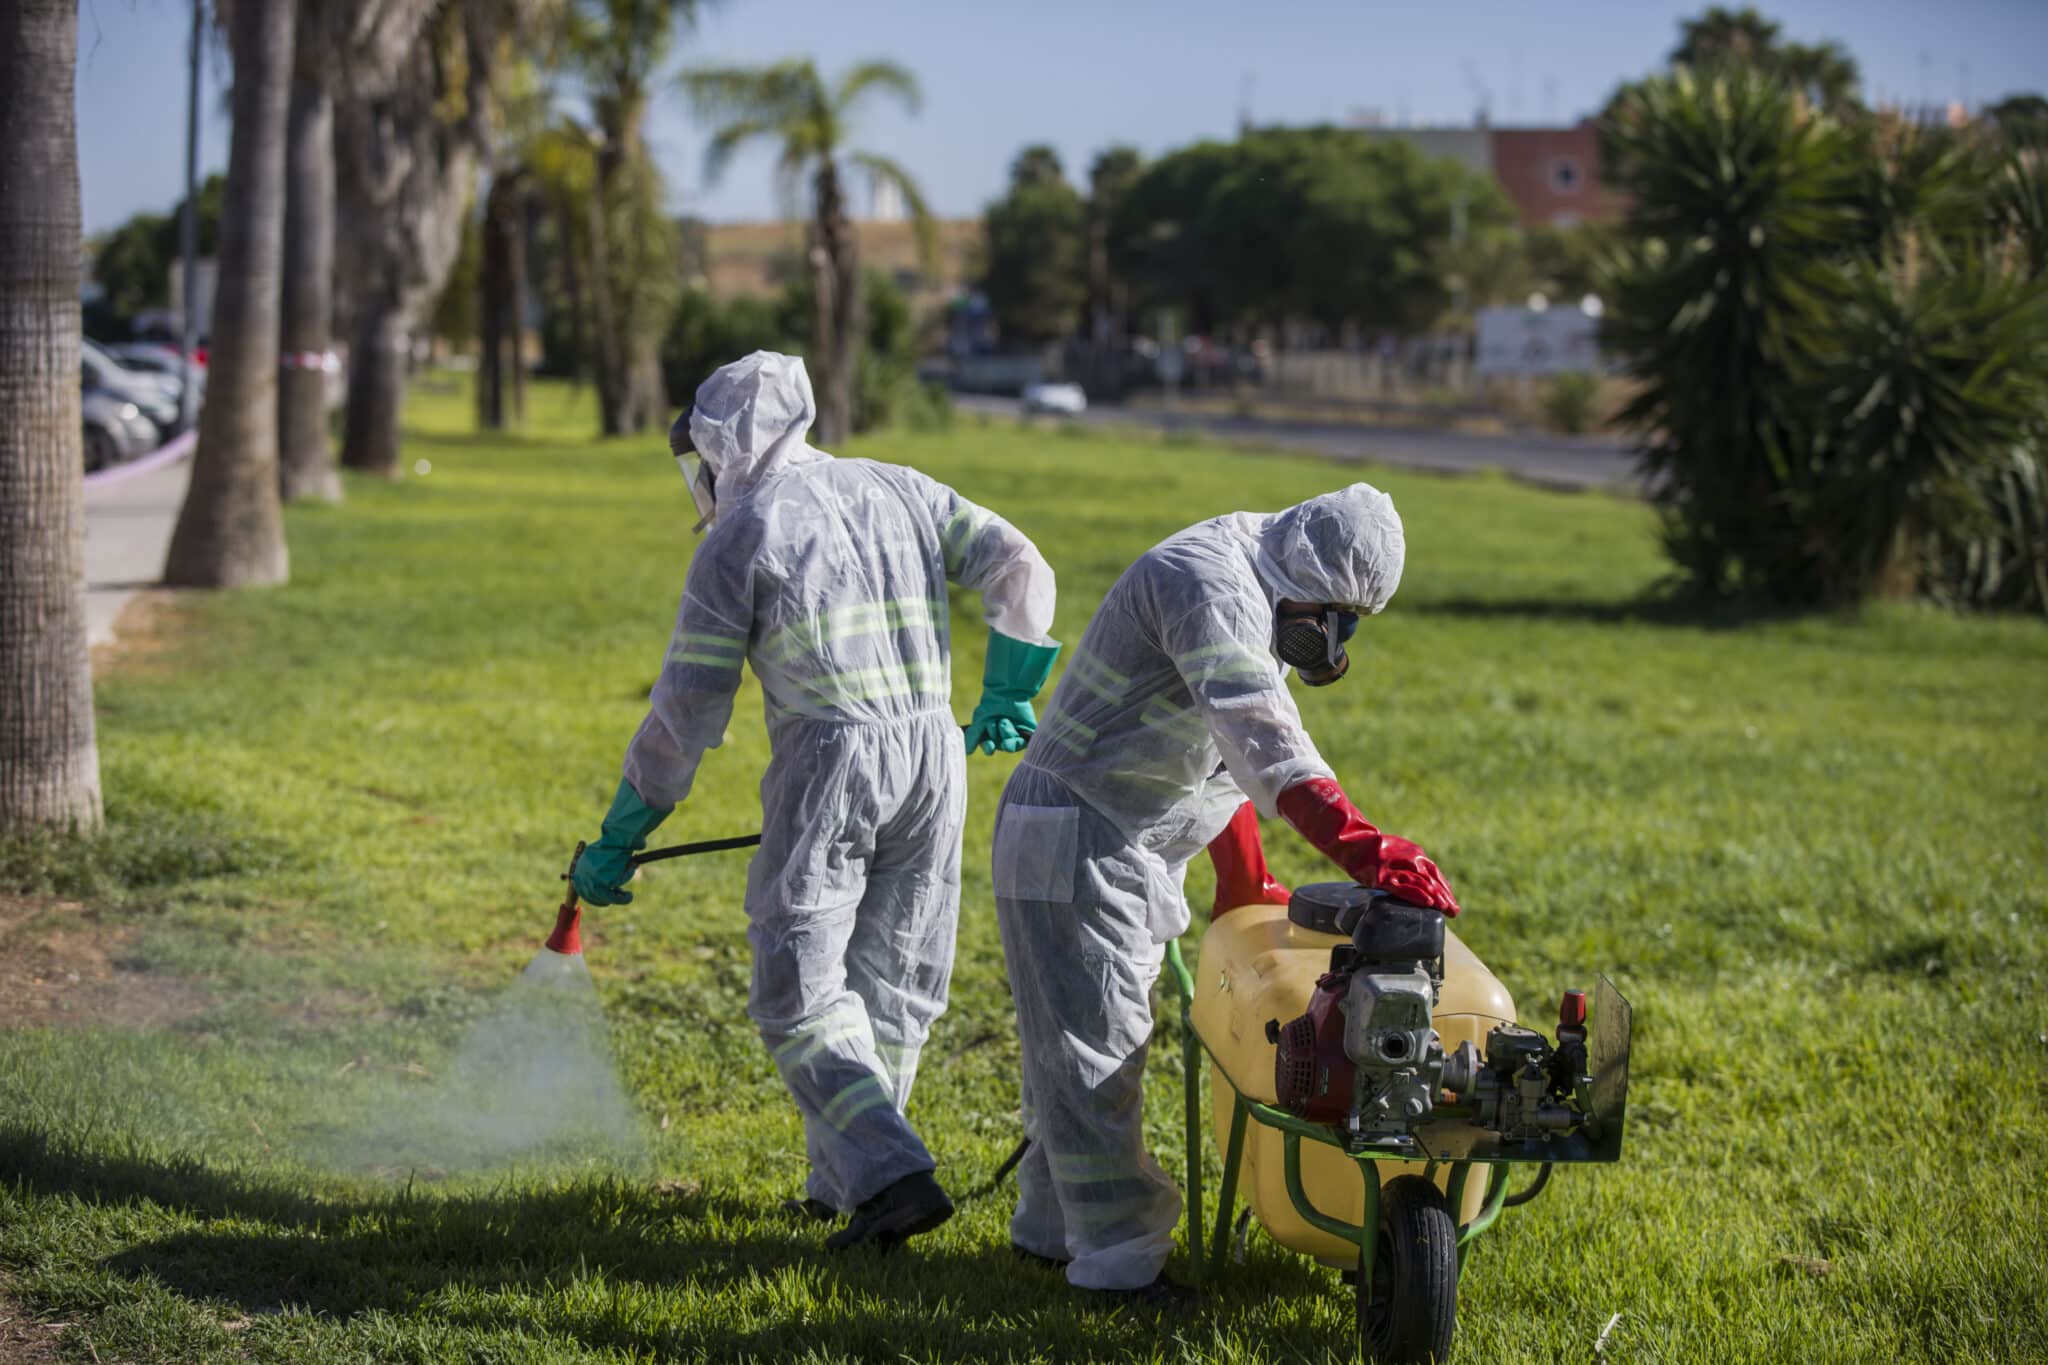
<point x="1155" y="73"/>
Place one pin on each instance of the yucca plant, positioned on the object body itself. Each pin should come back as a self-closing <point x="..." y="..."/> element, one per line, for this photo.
<point x="1924" y="403"/>
<point x="1741" y="195"/>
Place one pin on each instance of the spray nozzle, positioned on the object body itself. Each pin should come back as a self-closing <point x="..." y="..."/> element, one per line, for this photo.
<point x="568" y="936"/>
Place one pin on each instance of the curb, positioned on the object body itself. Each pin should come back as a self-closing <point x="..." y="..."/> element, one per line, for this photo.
<point x="170" y="452"/>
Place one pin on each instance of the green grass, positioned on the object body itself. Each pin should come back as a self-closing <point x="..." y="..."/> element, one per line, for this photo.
<point x="1812" y="852"/>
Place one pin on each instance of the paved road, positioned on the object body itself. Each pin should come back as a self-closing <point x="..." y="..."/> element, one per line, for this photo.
<point x="1554" y="461"/>
<point x="129" y="513"/>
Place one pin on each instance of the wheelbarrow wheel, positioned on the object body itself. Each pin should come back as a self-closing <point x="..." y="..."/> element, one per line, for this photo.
<point x="1409" y="1304"/>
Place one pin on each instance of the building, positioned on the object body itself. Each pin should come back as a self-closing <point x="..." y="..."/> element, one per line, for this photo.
<point x="1551" y="174"/>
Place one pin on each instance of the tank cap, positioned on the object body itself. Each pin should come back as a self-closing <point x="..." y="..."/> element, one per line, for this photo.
<point x="1571" y="1011"/>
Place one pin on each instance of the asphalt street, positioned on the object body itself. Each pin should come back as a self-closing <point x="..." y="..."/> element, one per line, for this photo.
<point x="1552" y="461"/>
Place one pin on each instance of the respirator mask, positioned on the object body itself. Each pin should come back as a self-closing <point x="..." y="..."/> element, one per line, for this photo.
<point x="1311" y="641"/>
<point x="701" y="477"/>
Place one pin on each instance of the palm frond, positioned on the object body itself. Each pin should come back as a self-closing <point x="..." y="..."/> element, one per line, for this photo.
<point x="726" y="142"/>
<point x="879" y="76"/>
<point x="782" y="93"/>
<point x="886" y="171"/>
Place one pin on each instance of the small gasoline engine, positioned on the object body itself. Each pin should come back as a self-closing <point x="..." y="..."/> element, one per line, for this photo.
<point x="1365" y="1057"/>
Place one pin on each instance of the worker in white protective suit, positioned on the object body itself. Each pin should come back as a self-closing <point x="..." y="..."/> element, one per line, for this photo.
<point x="1172" y="712"/>
<point x="828" y="576"/>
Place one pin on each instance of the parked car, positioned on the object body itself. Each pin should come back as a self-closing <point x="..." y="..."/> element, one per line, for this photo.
<point x="115" y="430"/>
<point x="150" y="393"/>
<point x="1062" y="400"/>
<point x="154" y="358"/>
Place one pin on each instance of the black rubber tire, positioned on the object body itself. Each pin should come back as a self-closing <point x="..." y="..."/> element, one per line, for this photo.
<point x="100" y="450"/>
<point x="1408" y="1310"/>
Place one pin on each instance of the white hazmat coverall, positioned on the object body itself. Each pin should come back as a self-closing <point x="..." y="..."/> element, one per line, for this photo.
<point x="828" y="576"/>
<point x="1171" y="712"/>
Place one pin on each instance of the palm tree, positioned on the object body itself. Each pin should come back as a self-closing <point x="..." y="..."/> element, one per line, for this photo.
<point x="230" y="531"/>
<point x="305" y="467"/>
<point x="344" y="49"/>
<point x="49" y="761"/>
<point x="791" y="104"/>
<point x="406" y="161"/>
<point x="616" y="48"/>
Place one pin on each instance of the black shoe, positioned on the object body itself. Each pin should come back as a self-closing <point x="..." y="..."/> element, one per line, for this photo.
<point x="814" y="1210"/>
<point x="912" y="1205"/>
<point x="1161" y="1296"/>
<point x="1030" y="1257"/>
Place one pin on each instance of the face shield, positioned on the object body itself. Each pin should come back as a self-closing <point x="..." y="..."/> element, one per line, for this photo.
<point x="697" y="473"/>
<point x="1310" y="639"/>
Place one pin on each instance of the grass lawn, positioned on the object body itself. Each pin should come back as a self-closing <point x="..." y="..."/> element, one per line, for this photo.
<point x="1811" y="851"/>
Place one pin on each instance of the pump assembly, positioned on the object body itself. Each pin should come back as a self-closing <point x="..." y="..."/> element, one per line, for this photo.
<point x="1365" y="1056"/>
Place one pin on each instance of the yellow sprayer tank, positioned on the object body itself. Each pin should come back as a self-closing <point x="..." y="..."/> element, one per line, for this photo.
<point x="1257" y="965"/>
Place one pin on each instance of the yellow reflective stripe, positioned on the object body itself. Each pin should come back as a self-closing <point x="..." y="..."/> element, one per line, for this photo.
<point x="1098" y="677"/>
<point x="960" y="531"/>
<point x="855" y="1100"/>
<point x="808" y="1042"/>
<point x="1226" y="660"/>
<point x="1068" y="733"/>
<point x="1093" y="1216"/>
<point x="695" y="656"/>
<point x="705" y="647"/>
<point x="841" y="623"/>
<point x="1072" y="1169"/>
<point x="1176" y="722"/>
<point x="888" y="680"/>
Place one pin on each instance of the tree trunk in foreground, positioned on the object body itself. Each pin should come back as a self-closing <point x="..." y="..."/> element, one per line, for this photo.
<point x="49" y="759"/>
<point x="230" y="531"/>
<point x="305" y="460"/>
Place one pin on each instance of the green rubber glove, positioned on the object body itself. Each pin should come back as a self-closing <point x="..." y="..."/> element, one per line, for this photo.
<point x="1014" y="673"/>
<point x="607" y="865"/>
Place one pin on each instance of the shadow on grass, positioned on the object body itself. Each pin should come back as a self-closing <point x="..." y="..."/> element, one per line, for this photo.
<point x="1647" y="610"/>
<point x="526" y="1260"/>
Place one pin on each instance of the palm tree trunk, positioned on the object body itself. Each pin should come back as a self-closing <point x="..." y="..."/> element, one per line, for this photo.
<point x="377" y="359"/>
<point x="607" y="356"/>
<point x="49" y="758"/>
<point x="230" y="531"/>
<point x="305" y="462"/>
<point x="836" y="323"/>
<point x="504" y="295"/>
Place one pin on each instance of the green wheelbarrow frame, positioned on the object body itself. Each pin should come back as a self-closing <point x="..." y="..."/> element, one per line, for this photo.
<point x="1294" y="1129"/>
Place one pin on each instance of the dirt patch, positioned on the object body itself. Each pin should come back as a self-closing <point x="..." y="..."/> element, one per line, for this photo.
<point x="24" y="1340"/>
<point x="60" y="965"/>
<point x="147" y="636"/>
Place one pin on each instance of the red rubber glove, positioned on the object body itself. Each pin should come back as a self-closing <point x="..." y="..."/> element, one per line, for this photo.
<point x="1242" y="877"/>
<point x="1319" y="809"/>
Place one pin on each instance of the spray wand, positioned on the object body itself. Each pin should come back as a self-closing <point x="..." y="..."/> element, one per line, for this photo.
<point x="567" y="939"/>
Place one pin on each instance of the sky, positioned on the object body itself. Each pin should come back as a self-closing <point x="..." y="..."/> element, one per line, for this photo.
<point x="1083" y="74"/>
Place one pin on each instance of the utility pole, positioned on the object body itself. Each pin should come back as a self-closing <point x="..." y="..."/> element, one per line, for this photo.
<point x="188" y="220"/>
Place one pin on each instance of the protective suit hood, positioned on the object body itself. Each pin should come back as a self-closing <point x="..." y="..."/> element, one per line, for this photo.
<point x="749" y="422"/>
<point x="1345" y="548"/>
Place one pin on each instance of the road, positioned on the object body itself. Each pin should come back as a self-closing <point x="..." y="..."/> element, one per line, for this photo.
<point x="1551" y="461"/>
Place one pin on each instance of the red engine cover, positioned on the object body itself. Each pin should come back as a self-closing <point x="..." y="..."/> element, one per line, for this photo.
<point x="1312" y="1074"/>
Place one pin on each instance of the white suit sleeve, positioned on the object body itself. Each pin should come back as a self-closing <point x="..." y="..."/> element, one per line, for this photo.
<point x="1219" y="647"/>
<point x="691" y="704"/>
<point x="995" y="559"/>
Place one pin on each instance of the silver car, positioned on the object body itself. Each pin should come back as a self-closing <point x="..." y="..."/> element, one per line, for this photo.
<point x="100" y="371"/>
<point x="116" y="430"/>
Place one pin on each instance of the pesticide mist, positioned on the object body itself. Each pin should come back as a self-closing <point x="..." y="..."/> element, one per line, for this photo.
<point x="531" y="1084"/>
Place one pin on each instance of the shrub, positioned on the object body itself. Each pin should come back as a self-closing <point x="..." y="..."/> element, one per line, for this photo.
<point x="1568" y="401"/>
<point x="1840" y="351"/>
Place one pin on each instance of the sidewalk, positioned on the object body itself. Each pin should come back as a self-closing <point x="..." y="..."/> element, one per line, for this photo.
<point x="129" y="513"/>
